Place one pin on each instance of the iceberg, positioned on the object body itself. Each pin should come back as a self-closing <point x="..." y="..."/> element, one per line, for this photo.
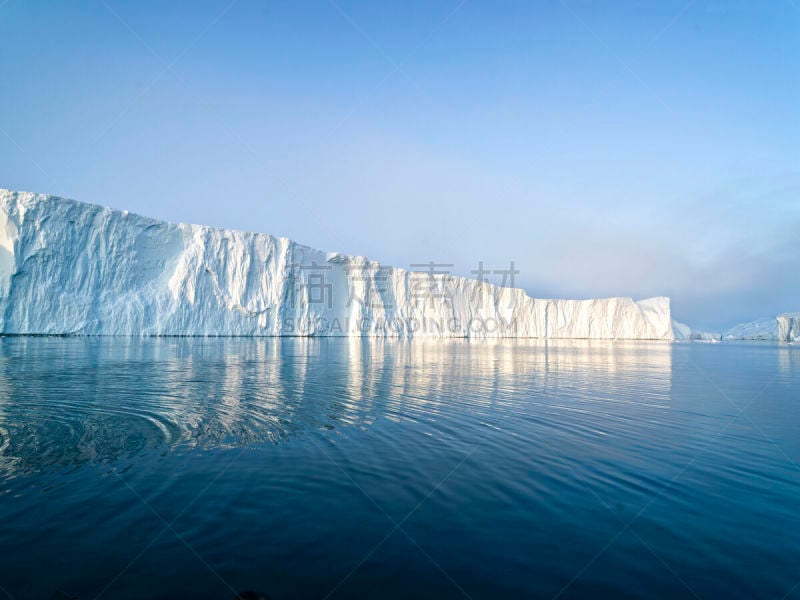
<point x="789" y="327"/>
<point x="681" y="331"/>
<point x="765" y="329"/>
<point x="705" y="336"/>
<point x="68" y="267"/>
<point x="785" y="327"/>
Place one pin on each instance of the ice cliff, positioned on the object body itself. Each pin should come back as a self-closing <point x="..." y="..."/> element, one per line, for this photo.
<point x="72" y="268"/>
<point x="789" y="327"/>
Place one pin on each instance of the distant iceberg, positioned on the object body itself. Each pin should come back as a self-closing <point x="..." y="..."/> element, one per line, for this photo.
<point x="765" y="329"/>
<point x="785" y="328"/>
<point x="681" y="331"/>
<point x="72" y="268"/>
<point x="705" y="336"/>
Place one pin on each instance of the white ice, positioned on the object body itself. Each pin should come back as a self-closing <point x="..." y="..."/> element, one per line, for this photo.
<point x="72" y="268"/>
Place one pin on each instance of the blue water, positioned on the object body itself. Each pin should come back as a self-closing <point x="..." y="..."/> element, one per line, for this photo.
<point x="198" y="468"/>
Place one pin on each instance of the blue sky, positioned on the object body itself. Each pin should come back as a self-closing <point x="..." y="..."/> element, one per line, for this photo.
<point x="639" y="148"/>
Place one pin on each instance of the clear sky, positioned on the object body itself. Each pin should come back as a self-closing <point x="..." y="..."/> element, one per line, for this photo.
<point x="608" y="148"/>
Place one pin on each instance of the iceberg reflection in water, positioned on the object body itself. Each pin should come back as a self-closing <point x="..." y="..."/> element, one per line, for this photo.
<point x="191" y="467"/>
<point x="65" y="401"/>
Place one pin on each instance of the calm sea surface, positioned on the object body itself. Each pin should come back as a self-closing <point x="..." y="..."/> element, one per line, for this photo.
<point x="198" y="468"/>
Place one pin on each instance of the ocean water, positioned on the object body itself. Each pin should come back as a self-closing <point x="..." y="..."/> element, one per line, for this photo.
<point x="314" y="468"/>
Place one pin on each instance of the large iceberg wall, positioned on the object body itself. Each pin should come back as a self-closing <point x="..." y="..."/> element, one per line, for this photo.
<point x="72" y="268"/>
<point x="789" y="327"/>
